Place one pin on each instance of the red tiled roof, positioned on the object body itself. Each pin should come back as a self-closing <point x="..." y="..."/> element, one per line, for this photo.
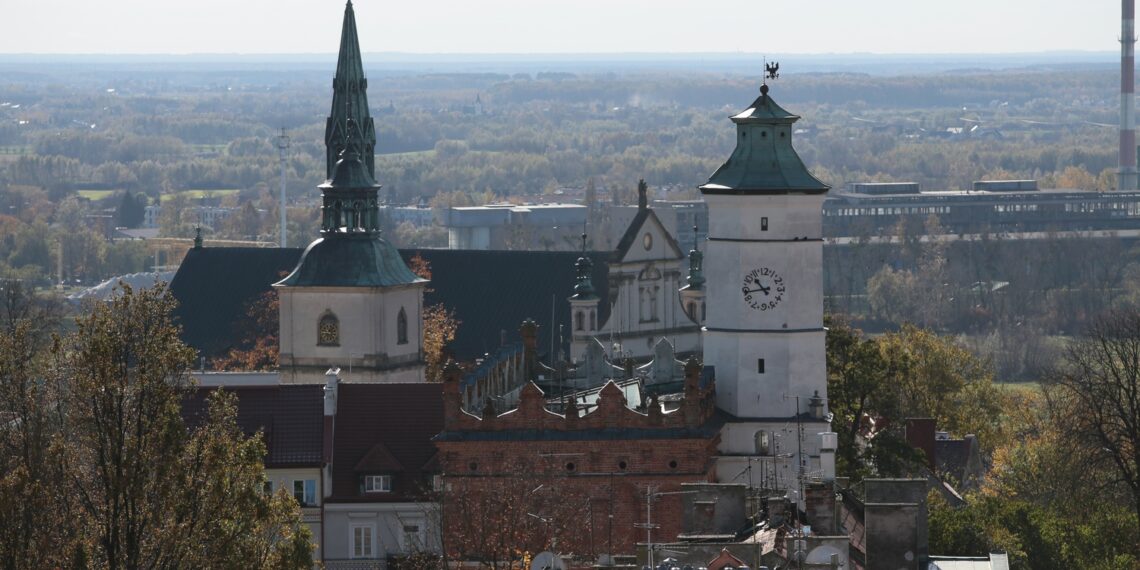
<point x="400" y="419"/>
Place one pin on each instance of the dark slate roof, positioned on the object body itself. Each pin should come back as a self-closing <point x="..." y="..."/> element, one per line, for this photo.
<point x="402" y="419"/>
<point x="495" y="291"/>
<point x="490" y="292"/>
<point x="214" y="287"/>
<point x="291" y="418"/>
<point x="350" y="262"/>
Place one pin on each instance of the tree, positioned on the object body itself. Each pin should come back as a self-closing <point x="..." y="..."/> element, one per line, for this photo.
<point x="136" y="486"/>
<point x="1097" y="390"/>
<point x="439" y="326"/>
<point x="259" y="333"/>
<point x="131" y="210"/>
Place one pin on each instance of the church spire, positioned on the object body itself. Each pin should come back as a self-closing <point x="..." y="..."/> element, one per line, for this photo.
<point x="350" y="102"/>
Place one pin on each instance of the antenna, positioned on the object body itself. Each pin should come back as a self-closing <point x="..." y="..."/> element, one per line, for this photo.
<point x="282" y="151"/>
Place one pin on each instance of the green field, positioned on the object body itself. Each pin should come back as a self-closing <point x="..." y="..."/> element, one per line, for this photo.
<point x="195" y="194"/>
<point x="96" y="195"/>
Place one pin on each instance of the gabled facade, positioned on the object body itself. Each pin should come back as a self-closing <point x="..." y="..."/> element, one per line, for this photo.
<point x="646" y="272"/>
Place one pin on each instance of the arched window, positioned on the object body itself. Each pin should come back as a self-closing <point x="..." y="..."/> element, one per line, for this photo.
<point x="763" y="443"/>
<point x="402" y="327"/>
<point x="328" y="330"/>
<point x="593" y="320"/>
<point x="692" y="311"/>
<point x="579" y="320"/>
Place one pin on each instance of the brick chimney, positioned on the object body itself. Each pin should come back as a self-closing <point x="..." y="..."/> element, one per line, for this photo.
<point x="452" y="407"/>
<point x="920" y="435"/>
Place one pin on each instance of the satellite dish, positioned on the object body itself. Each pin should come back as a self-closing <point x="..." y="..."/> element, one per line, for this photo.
<point x="547" y="561"/>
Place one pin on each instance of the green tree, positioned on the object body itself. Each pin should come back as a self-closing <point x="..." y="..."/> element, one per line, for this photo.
<point x="146" y="491"/>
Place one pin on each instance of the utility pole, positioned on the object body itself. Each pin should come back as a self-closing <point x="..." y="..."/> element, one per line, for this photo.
<point x="282" y="149"/>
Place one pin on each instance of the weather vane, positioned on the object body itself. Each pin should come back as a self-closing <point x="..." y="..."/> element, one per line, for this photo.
<point x="771" y="70"/>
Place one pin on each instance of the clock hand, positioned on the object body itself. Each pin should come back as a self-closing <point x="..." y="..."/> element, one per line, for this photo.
<point x="747" y="290"/>
<point x="765" y="289"/>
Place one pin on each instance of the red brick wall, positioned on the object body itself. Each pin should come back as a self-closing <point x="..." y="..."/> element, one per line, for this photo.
<point x="534" y="475"/>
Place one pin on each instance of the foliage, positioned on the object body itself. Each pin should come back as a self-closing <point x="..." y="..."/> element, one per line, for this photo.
<point x="875" y="384"/>
<point x="105" y="473"/>
<point x="439" y="327"/>
<point x="1097" y="392"/>
<point x="1036" y="537"/>
<point x="259" y="344"/>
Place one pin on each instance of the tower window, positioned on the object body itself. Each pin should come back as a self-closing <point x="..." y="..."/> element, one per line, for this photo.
<point x="764" y="224"/>
<point x="328" y="330"/>
<point x="593" y="320"/>
<point x="402" y="327"/>
<point x="579" y="321"/>
<point x="763" y="443"/>
<point x="759" y="365"/>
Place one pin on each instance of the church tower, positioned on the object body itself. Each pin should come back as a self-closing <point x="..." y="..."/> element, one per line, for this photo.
<point x="351" y="302"/>
<point x="764" y="331"/>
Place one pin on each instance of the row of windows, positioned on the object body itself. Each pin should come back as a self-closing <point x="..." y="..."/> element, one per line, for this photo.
<point x="328" y="329"/>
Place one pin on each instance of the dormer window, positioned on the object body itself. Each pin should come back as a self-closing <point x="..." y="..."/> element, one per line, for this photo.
<point x="328" y="330"/>
<point x="377" y="483"/>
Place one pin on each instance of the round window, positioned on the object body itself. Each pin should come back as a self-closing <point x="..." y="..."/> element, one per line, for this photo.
<point x="647" y="241"/>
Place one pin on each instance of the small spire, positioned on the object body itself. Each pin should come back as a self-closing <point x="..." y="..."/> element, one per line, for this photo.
<point x="696" y="261"/>
<point x="584" y="286"/>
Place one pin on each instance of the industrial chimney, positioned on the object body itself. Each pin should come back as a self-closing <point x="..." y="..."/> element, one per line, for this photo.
<point x="1126" y="178"/>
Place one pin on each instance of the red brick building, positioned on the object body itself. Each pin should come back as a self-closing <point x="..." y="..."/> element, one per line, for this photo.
<point x="532" y="480"/>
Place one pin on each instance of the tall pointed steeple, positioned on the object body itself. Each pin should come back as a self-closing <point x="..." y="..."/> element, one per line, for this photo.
<point x="350" y="102"/>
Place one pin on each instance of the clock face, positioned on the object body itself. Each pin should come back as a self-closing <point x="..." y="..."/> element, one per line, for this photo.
<point x="763" y="289"/>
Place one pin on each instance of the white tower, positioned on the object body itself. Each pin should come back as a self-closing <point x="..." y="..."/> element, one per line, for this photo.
<point x="764" y="331"/>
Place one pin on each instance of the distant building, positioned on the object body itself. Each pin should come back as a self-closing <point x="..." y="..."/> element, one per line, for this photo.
<point x="550" y="227"/>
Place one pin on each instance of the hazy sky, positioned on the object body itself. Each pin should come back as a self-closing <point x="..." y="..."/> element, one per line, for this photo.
<point x="560" y="26"/>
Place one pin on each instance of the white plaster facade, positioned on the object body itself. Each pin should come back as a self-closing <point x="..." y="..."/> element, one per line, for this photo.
<point x="370" y="345"/>
<point x="644" y="297"/>
<point x="393" y="529"/>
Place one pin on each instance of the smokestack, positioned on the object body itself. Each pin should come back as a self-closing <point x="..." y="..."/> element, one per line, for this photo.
<point x="1126" y="178"/>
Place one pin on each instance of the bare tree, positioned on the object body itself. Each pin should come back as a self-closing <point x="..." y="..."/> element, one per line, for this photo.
<point x="1097" y="389"/>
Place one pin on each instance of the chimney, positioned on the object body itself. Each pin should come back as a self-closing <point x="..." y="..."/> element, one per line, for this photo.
<point x="1127" y="176"/>
<point x="529" y="332"/>
<point x="451" y="396"/>
<point x="829" y="440"/>
<point x="819" y="505"/>
<point x="643" y="194"/>
<point x="332" y="384"/>
<point x="920" y="435"/>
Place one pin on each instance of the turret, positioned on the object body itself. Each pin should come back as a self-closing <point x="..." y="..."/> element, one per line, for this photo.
<point x="693" y="293"/>
<point x="583" y="306"/>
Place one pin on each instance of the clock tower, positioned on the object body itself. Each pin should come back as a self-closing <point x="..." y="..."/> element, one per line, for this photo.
<point x="764" y="331"/>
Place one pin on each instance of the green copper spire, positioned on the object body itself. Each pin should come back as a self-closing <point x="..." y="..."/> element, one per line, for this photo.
<point x="584" y="287"/>
<point x="696" y="261"/>
<point x="764" y="161"/>
<point x="350" y="101"/>
<point x="350" y="251"/>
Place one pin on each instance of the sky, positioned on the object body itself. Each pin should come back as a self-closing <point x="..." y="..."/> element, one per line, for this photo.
<point x="560" y="26"/>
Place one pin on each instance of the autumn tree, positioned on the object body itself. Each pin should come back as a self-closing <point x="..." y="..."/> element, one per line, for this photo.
<point x="909" y="374"/>
<point x="134" y="487"/>
<point x="439" y="326"/>
<point x="1096" y="389"/>
<point x="259" y="332"/>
